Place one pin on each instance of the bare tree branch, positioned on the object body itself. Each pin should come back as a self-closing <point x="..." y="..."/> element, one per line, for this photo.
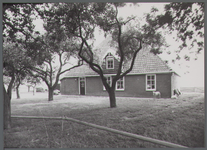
<point x="133" y="59"/>
<point x="43" y="77"/>
<point x="124" y="23"/>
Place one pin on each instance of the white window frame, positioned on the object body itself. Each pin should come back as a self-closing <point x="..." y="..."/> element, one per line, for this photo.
<point x="123" y="85"/>
<point x="107" y="82"/>
<point x="155" y="82"/>
<point x="107" y="59"/>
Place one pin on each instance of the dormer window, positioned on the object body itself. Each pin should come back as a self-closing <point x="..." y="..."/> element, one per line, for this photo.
<point x="109" y="63"/>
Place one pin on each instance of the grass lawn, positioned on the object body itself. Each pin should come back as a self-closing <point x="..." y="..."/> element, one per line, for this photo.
<point x="179" y="121"/>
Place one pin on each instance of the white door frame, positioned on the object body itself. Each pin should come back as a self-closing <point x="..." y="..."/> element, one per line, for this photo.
<point x="79" y="84"/>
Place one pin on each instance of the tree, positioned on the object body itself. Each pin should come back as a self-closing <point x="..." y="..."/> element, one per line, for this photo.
<point x="17" y="28"/>
<point x="15" y="63"/>
<point x="81" y="19"/>
<point x="52" y="51"/>
<point x="32" y="82"/>
<point x="18" y="81"/>
<point x="17" y="20"/>
<point x="186" y="19"/>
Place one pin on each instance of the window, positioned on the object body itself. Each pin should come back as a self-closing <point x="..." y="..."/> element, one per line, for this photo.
<point x="109" y="81"/>
<point x="109" y="63"/>
<point x="120" y="84"/>
<point x="150" y="82"/>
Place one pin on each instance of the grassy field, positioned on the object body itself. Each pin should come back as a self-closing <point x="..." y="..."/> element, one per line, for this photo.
<point x="192" y="89"/>
<point x="179" y="121"/>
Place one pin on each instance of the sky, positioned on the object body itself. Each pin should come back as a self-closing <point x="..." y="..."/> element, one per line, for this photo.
<point x="195" y="68"/>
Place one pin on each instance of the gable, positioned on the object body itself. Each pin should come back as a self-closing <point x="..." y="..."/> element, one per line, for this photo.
<point x="104" y="64"/>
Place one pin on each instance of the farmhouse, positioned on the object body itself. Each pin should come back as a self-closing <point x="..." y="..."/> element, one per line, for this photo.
<point x="150" y="73"/>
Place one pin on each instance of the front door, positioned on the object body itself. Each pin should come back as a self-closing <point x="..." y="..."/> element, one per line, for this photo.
<point x="82" y="86"/>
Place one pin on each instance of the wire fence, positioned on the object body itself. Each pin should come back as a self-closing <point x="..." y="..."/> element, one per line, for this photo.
<point x="140" y="137"/>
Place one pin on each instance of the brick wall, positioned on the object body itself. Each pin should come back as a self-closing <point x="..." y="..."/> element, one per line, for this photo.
<point x="69" y="86"/>
<point x="164" y="84"/>
<point x="94" y="86"/>
<point x="135" y="86"/>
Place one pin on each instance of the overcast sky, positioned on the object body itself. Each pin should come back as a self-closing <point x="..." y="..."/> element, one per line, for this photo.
<point x="195" y="77"/>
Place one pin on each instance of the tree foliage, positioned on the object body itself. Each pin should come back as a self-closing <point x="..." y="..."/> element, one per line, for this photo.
<point x="49" y="66"/>
<point x="17" y="28"/>
<point x="17" y="20"/>
<point x="15" y="60"/>
<point x="32" y="82"/>
<point x="15" y="63"/>
<point x="51" y="51"/>
<point x="187" y="19"/>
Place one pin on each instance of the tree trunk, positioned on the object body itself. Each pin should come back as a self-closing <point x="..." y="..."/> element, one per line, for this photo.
<point x="112" y="98"/>
<point x="34" y="90"/>
<point x="28" y="88"/>
<point x="7" y="104"/>
<point x="50" y="94"/>
<point x="7" y="110"/>
<point x="17" y="92"/>
<point x="9" y="89"/>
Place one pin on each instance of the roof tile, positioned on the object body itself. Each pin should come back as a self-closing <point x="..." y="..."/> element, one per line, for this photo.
<point x="145" y="62"/>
